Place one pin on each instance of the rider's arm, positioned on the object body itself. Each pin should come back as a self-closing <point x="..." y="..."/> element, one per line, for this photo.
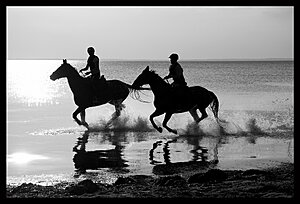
<point x="84" y="69"/>
<point x="170" y="75"/>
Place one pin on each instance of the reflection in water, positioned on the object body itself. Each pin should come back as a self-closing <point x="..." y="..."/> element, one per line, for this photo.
<point x="202" y="155"/>
<point x="113" y="157"/>
<point x="110" y="158"/>
<point x="151" y="156"/>
<point x="125" y="152"/>
<point x="199" y="152"/>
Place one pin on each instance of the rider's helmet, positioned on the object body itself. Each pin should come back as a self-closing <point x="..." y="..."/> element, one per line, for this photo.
<point x="174" y="56"/>
<point x="91" y="50"/>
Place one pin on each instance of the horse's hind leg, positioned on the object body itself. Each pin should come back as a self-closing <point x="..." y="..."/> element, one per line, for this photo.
<point x="204" y="114"/>
<point x="166" y="119"/>
<point x="119" y="107"/>
<point x="194" y="114"/>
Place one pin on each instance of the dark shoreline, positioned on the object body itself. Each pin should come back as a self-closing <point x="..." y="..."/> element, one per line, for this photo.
<point x="274" y="182"/>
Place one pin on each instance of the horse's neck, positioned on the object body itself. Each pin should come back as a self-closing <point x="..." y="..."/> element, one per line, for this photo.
<point x="75" y="83"/>
<point x="158" y="86"/>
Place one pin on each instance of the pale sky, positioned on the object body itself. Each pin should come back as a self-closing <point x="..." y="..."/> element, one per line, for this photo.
<point x="150" y="32"/>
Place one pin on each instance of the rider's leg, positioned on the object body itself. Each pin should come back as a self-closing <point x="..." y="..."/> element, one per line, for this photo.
<point x="95" y="81"/>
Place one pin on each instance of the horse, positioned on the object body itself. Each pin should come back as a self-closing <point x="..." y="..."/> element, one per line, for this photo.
<point x="111" y="91"/>
<point x="170" y="100"/>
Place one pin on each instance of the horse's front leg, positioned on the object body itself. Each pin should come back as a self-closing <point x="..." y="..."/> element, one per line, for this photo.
<point x="76" y="112"/>
<point x="83" y="122"/>
<point x="155" y="114"/>
<point x="166" y="119"/>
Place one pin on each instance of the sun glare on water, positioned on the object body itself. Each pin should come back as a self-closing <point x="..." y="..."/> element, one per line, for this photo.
<point x="29" y="82"/>
<point x="23" y="157"/>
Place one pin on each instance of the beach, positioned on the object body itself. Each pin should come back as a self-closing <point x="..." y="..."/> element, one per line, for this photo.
<point x="275" y="182"/>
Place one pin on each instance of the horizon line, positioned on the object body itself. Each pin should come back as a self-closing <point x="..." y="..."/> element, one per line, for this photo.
<point x="192" y="59"/>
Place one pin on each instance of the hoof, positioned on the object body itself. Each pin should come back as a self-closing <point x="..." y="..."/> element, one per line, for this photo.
<point x="174" y="131"/>
<point x="159" y="129"/>
<point x="106" y="127"/>
<point x="85" y="125"/>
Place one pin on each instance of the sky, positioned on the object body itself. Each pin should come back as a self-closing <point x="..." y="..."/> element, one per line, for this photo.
<point x="150" y="32"/>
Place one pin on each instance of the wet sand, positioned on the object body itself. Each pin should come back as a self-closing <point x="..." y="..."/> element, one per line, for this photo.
<point x="178" y="180"/>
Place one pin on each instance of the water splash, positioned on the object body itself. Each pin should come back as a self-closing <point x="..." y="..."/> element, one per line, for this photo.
<point x="122" y="124"/>
<point x="252" y="127"/>
<point x="244" y="123"/>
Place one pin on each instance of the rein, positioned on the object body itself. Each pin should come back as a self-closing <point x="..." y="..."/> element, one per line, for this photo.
<point x="84" y="75"/>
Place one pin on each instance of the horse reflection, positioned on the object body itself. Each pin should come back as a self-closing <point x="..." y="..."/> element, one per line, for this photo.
<point x="97" y="159"/>
<point x="199" y="152"/>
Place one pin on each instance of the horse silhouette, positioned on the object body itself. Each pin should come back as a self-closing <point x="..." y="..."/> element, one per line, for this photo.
<point x="170" y="100"/>
<point x="111" y="91"/>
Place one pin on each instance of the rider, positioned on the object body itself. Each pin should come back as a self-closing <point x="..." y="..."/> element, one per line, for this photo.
<point x="93" y="64"/>
<point x="176" y="72"/>
<point x="179" y="85"/>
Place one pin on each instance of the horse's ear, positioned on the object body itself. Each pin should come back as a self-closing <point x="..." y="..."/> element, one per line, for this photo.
<point x="64" y="61"/>
<point x="147" y="68"/>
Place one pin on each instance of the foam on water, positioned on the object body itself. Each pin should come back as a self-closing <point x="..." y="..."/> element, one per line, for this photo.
<point x="122" y="124"/>
<point x="243" y="123"/>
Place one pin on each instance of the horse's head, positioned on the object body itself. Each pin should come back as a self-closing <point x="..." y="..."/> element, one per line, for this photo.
<point x="62" y="71"/>
<point x="143" y="78"/>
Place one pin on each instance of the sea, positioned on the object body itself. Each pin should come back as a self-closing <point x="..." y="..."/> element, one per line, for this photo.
<point x="45" y="146"/>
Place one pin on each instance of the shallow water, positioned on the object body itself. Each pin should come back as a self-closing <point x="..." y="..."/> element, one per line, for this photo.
<point x="45" y="145"/>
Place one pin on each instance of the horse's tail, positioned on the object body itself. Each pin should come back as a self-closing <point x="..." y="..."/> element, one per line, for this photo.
<point x="135" y="92"/>
<point x="215" y="106"/>
<point x="136" y="88"/>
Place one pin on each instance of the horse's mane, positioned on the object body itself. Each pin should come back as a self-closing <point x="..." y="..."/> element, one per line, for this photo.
<point x="153" y="72"/>
<point x="75" y="71"/>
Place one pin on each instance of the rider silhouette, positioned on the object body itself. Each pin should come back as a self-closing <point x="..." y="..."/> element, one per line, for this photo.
<point x="179" y="85"/>
<point x="93" y="64"/>
<point x="176" y="72"/>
